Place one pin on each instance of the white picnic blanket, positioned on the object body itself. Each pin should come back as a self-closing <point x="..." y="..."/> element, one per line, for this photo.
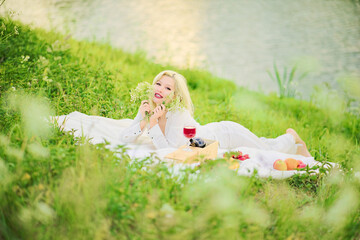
<point x="99" y="129"/>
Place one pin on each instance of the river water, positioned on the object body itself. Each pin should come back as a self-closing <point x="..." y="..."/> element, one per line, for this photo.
<point x="235" y="39"/>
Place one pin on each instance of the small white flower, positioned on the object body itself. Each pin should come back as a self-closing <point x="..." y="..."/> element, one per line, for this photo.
<point x="143" y="91"/>
<point x="46" y="79"/>
<point x="16" y="30"/>
<point x="43" y="61"/>
<point x="13" y="88"/>
<point x="24" y="58"/>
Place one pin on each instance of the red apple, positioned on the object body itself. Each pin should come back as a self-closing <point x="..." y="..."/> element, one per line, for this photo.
<point x="302" y="165"/>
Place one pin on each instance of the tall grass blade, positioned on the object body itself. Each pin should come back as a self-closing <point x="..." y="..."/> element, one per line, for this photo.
<point x="270" y="75"/>
<point x="302" y="76"/>
<point x="279" y="82"/>
<point x="292" y="74"/>
<point x="285" y="75"/>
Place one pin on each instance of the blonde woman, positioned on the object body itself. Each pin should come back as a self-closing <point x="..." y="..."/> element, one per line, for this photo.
<point x="165" y="128"/>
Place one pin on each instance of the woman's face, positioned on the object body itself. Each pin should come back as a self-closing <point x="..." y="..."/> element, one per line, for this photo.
<point x="163" y="88"/>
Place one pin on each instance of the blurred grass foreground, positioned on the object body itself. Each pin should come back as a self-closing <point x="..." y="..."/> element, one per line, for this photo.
<point x="52" y="187"/>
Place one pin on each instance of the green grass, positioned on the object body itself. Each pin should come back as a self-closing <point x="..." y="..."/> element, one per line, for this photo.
<point x="51" y="187"/>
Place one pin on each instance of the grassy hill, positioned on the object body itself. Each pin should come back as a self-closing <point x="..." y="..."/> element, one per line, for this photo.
<point x="52" y="187"/>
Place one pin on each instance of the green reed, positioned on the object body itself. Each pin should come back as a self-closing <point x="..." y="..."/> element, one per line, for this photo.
<point x="286" y="80"/>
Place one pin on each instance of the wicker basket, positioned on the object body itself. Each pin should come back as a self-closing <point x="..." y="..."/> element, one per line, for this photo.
<point x="208" y="152"/>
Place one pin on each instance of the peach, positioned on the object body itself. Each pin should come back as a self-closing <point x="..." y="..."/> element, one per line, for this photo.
<point x="280" y="165"/>
<point x="291" y="163"/>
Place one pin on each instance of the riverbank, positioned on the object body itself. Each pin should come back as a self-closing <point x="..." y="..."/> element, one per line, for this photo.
<point x="52" y="187"/>
<point x="323" y="43"/>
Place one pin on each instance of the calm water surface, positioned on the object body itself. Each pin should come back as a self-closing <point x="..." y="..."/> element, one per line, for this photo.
<point x="234" y="39"/>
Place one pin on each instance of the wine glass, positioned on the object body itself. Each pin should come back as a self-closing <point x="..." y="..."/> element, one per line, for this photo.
<point x="189" y="132"/>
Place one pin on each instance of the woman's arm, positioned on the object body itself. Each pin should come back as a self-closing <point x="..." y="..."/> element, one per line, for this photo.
<point x="174" y="136"/>
<point x="131" y="133"/>
<point x="156" y="135"/>
<point x="158" y="138"/>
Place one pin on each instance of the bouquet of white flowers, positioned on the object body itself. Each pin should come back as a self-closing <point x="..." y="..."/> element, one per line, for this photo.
<point x="145" y="91"/>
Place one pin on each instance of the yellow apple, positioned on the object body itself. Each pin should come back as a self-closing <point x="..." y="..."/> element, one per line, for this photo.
<point x="280" y="165"/>
<point x="234" y="165"/>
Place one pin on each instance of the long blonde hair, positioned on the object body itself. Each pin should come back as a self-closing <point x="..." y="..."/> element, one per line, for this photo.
<point x="181" y="89"/>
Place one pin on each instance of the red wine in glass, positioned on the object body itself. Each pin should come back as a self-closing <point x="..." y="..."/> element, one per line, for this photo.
<point x="189" y="132"/>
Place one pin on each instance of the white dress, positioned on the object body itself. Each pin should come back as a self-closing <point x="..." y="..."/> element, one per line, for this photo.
<point x="229" y="134"/>
<point x="156" y="145"/>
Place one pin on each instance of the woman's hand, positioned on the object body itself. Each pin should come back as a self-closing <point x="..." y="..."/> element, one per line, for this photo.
<point x="144" y="107"/>
<point x="158" y="112"/>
